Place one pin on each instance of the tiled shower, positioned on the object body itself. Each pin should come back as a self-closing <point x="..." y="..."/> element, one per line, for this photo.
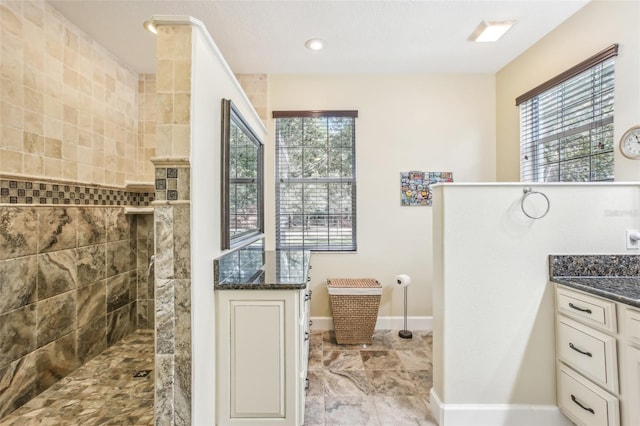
<point x="77" y="130"/>
<point x="75" y="280"/>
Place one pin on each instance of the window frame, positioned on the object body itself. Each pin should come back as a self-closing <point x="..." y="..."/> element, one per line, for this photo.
<point x="350" y="180"/>
<point x="530" y="143"/>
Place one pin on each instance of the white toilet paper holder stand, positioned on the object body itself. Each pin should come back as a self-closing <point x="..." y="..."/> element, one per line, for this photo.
<point x="405" y="334"/>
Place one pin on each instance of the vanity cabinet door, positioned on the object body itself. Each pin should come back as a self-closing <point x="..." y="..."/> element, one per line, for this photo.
<point x="633" y="388"/>
<point x="258" y="345"/>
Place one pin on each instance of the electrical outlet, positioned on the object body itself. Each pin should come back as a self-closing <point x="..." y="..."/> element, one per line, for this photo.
<point x="633" y="243"/>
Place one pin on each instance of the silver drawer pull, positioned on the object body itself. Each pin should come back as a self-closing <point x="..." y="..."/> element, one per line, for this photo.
<point x="574" y="399"/>
<point x="306" y="336"/>
<point x="310" y="323"/>
<point x="307" y="297"/>
<point x="571" y="345"/>
<point x="578" y="308"/>
<point x="306" y="385"/>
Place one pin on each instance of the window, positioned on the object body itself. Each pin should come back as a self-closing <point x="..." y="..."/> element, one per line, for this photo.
<point x="566" y="124"/>
<point x="315" y="180"/>
<point x="241" y="176"/>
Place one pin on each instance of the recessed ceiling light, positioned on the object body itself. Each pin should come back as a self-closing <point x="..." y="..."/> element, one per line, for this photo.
<point x="489" y="31"/>
<point x="314" y="43"/>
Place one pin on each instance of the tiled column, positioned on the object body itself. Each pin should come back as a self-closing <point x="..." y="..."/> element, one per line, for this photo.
<point x="173" y="227"/>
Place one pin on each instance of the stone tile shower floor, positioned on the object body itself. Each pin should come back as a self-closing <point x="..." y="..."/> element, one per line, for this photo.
<point x="385" y="383"/>
<point x="101" y="392"/>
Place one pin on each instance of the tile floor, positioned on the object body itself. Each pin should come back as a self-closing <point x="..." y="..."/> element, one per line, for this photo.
<point x="385" y="383"/>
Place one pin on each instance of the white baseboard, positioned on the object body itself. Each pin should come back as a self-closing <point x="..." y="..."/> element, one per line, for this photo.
<point x="495" y="414"/>
<point x="383" y="323"/>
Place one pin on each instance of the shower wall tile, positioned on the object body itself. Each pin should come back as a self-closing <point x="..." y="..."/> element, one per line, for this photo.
<point x="56" y="317"/>
<point x="173" y="226"/>
<point x="18" y="232"/>
<point x="55" y="361"/>
<point x="19" y="380"/>
<point x="57" y="273"/>
<point x="182" y="300"/>
<point x="57" y="228"/>
<point x="119" y="257"/>
<point x="146" y="313"/>
<point x="182" y="241"/>
<point x="145" y="227"/>
<point x="117" y="291"/>
<point x="256" y="86"/>
<point x="92" y="227"/>
<point x="17" y="334"/>
<point x="92" y="303"/>
<point x="19" y="282"/>
<point x="142" y="291"/>
<point x="164" y="262"/>
<point x="118" y="324"/>
<point x="91" y="264"/>
<point x="165" y="316"/>
<point x="118" y="225"/>
<point x="64" y="88"/>
<point x="92" y="339"/>
<point x="182" y="390"/>
<point x="164" y="381"/>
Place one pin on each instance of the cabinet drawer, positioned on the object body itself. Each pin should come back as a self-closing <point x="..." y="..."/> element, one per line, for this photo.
<point x="585" y="403"/>
<point x="589" y="352"/>
<point x="632" y="325"/>
<point x="588" y="309"/>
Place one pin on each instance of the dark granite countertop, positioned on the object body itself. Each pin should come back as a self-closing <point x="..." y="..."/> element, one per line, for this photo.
<point x="256" y="269"/>
<point x="614" y="277"/>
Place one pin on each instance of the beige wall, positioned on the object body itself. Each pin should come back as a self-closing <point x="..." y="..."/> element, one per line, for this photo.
<point x="599" y="24"/>
<point x="406" y="122"/>
<point x="493" y="334"/>
<point x="68" y="107"/>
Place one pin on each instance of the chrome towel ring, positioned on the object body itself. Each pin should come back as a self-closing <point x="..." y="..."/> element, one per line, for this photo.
<point x="528" y="192"/>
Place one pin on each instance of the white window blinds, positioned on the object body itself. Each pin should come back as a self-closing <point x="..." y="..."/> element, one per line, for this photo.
<point x="566" y="125"/>
<point x="315" y="180"/>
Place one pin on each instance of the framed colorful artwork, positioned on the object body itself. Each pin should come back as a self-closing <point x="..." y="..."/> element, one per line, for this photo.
<point x="415" y="186"/>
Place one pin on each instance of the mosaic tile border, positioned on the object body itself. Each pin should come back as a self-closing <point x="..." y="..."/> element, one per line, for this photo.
<point x="27" y="191"/>
<point x="172" y="183"/>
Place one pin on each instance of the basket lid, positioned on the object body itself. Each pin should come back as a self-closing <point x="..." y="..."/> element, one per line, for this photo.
<point x="353" y="282"/>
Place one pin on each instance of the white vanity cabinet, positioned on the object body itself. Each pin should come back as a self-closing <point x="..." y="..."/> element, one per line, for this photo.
<point x="587" y="358"/>
<point x="262" y="337"/>
<point x="598" y="359"/>
<point x="263" y="347"/>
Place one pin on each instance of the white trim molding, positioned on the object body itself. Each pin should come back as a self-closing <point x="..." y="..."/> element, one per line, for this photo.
<point x="383" y="323"/>
<point x="495" y="414"/>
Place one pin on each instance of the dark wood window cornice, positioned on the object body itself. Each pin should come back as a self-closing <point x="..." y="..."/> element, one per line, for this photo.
<point x="599" y="57"/>
<point x="314" y="114"/>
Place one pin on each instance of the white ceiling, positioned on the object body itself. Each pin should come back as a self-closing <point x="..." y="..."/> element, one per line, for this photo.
<point x="366" y="36"/>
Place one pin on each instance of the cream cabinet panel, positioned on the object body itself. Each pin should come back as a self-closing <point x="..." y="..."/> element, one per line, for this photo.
<point x="632" y="324"/>
<point x="257" y="381"/>
<point x="584" y="403"/>
<point x="262" y="352"/>
<point x="632" y="374"/>
<point x="588" y="351"/>
<point x="588" y="309"/>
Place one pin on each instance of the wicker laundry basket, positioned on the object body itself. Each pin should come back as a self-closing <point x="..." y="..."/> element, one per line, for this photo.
<point x="354" y="304"/>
